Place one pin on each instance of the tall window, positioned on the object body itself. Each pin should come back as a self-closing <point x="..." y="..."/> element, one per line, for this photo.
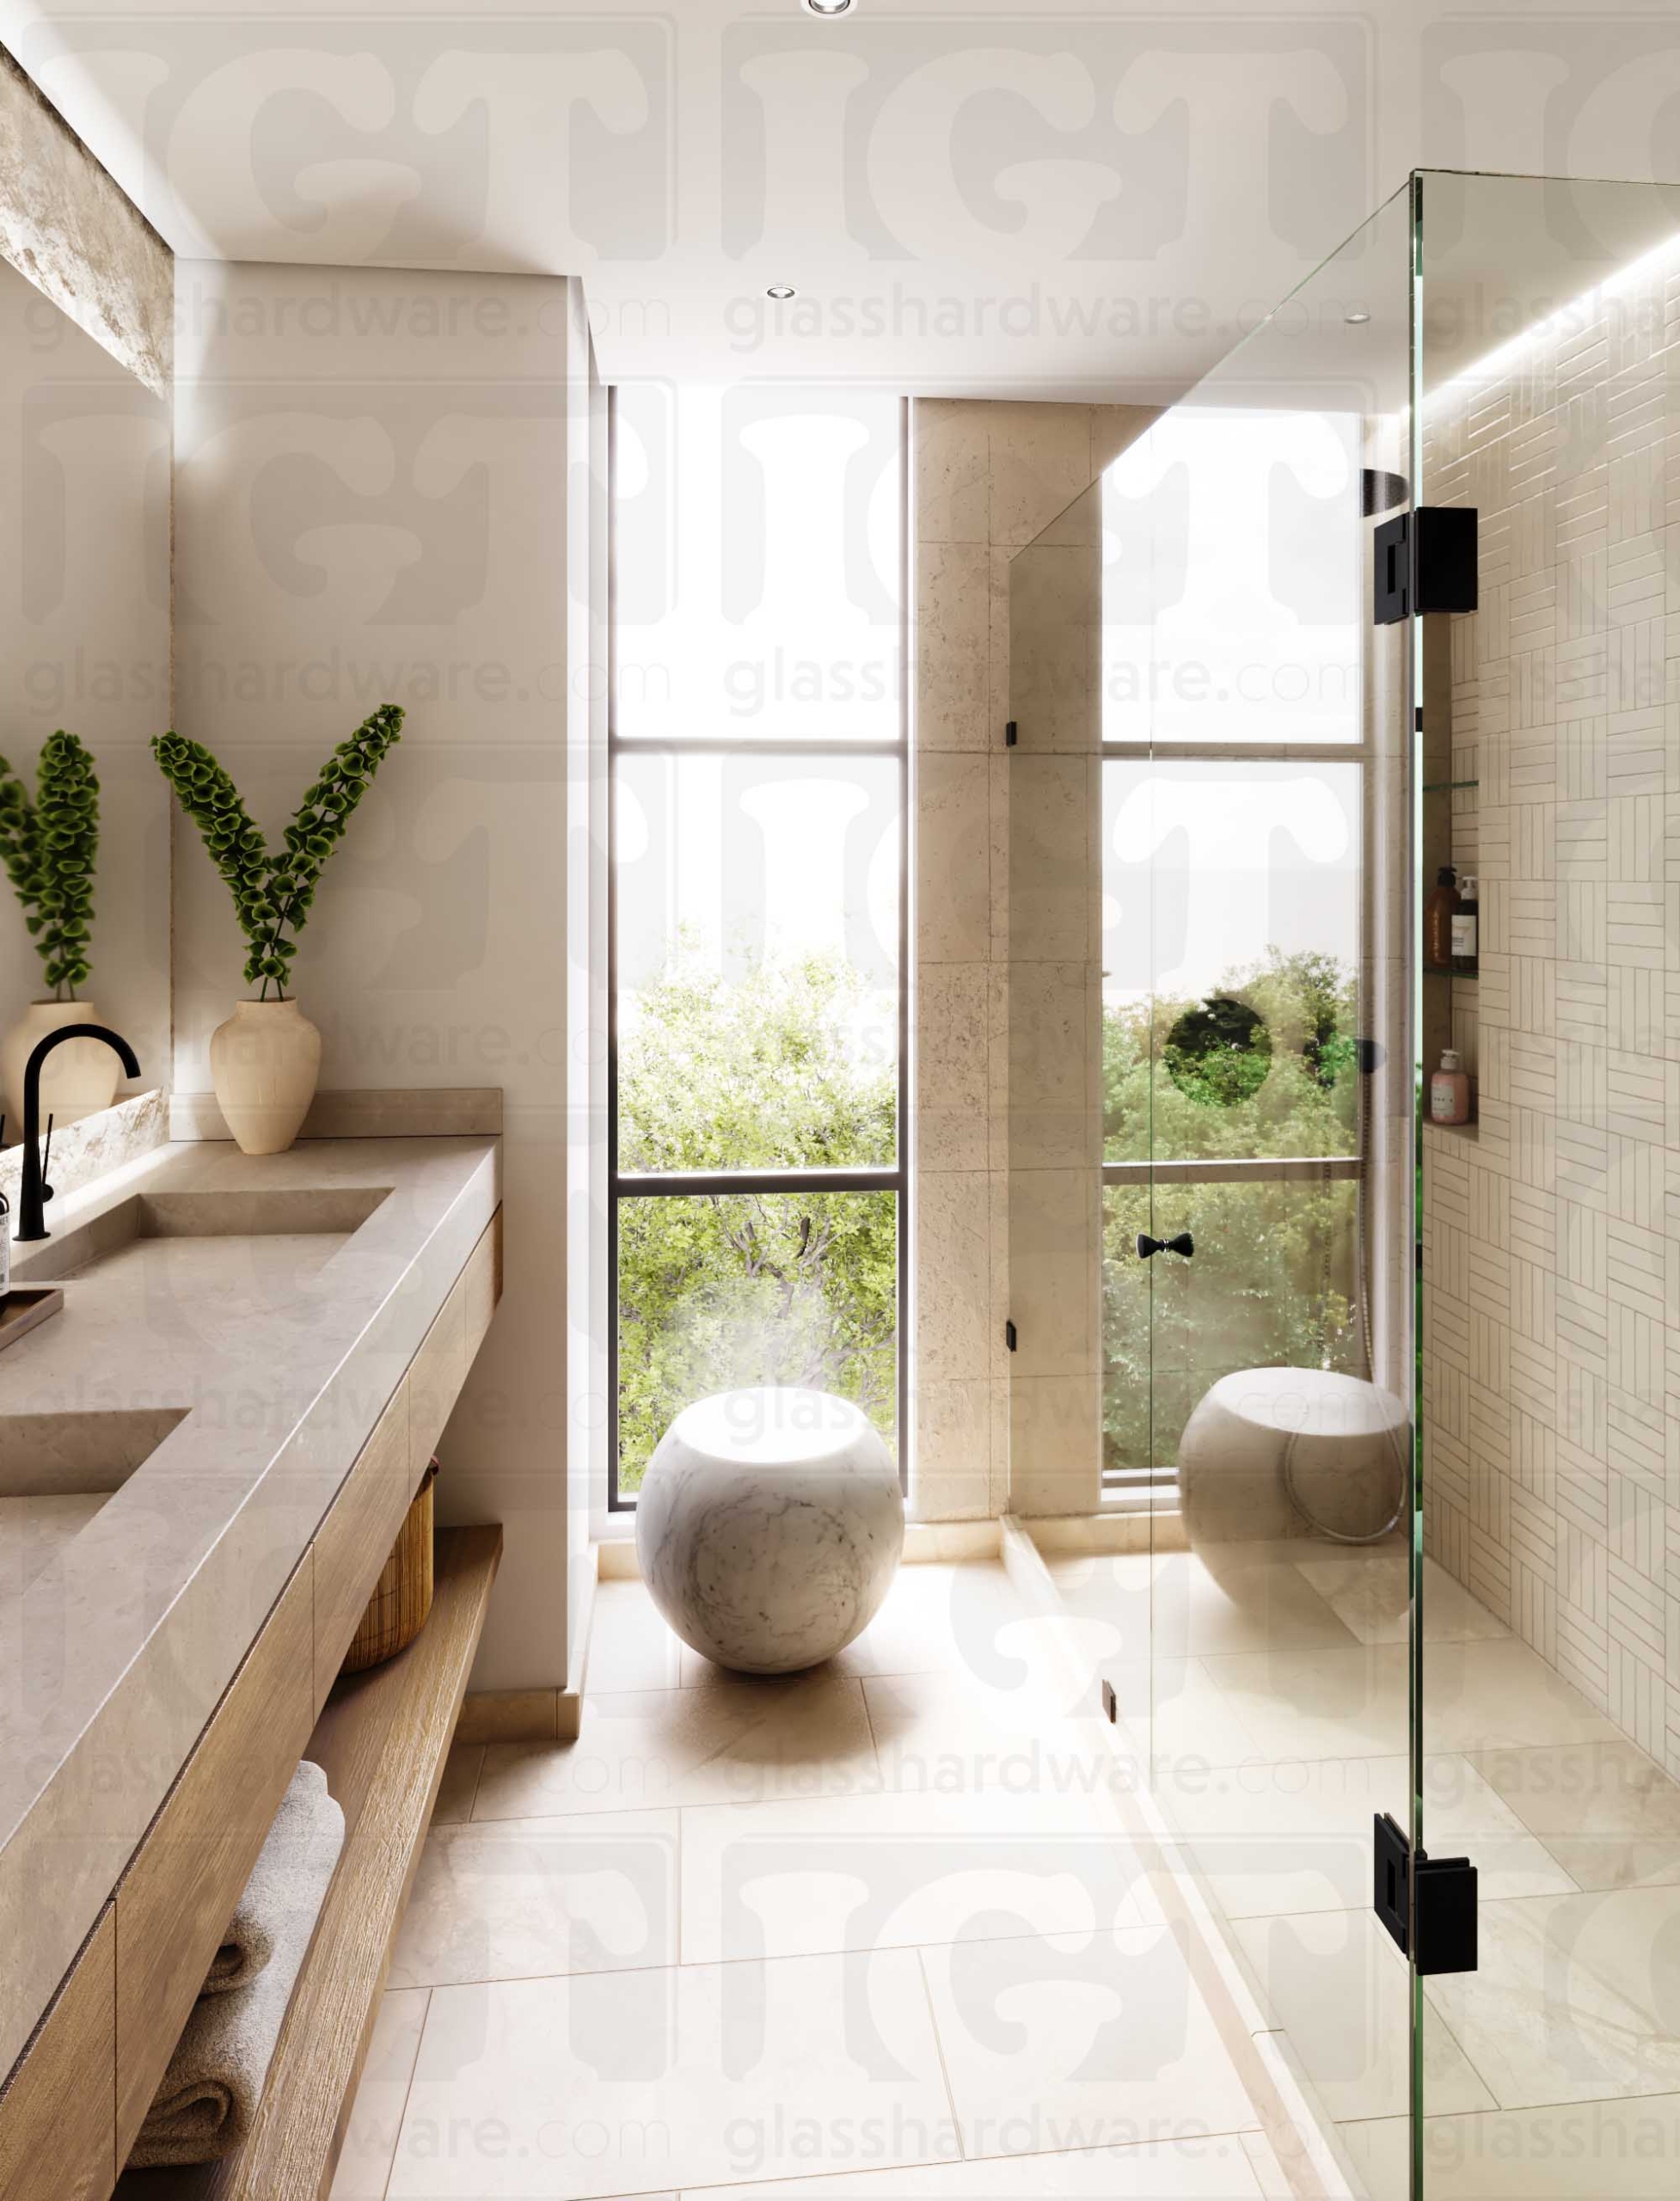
<point x="758" y="885"/>
<point x="1233" y="799"/>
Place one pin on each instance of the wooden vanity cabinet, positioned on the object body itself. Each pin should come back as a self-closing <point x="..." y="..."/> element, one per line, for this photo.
<point x="72" y="2106"/>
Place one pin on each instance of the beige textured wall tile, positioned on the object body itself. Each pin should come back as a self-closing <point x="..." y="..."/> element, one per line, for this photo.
<point x="1053" y="1239"/>
<point x="1054" y="635"/>
<point x="1054" y="1041"/>
<point x="953" y="1070"/>
<point x="1054" y="1439"/>
<point x="1055" y="859"/>
<point x="954" y="1458"/>
<point x="1040" y="461"/>
<point x="953" y="823"/>
<point x="954" y="1262"/>
<point x="1564" y="1285"/>
<point x="952" y="470"/>
<point x="988" y="478"/>
<point x="952" y="619"/>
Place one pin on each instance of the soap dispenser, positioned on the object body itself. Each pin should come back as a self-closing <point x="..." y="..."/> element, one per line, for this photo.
<point x="1450" y="1090"/>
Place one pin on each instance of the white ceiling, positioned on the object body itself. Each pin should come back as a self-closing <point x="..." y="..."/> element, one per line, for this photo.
<point x="1090" y="202"/>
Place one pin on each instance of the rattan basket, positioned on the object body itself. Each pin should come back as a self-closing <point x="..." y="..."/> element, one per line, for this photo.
<point x="401" y="1597"/>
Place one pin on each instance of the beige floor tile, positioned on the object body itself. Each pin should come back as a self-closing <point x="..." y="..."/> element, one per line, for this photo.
<point x="901" y="1867"/>
<point x="1180" y="1710"/>
<point x="653" y="2081"/>
<point x="1200" y="2170"/>
<point x="1373" y="1598"/>
<point x="1316" y="1704"/>
<point x="376" y="2117"/>
<point x="1576" y="1999"/>
<point x="1077" y="2039"/>
<point x="1494" y="1696"/>
<point x="941" y="1735"/>
<point x="630" y="1647"/>
<point x="1111" y="1587"/>
<point x="460" y="1783"/>
<point x="1296" y="1836"/>
<point x="1597" y="2151"/>
<point x="963" y="1620"/>
<point x="1338" y="1988"/>
<point x="655" y="1748"/>
<point x="938" y="1619"/>
<point x="518" y="1898"/>
<point x="1607" y="1813"/>
<point x="1259" y="1607"/>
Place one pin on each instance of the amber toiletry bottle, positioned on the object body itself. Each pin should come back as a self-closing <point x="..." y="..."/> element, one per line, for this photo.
<point x="1438" y="908"/>
<point x="1466" y="928"/>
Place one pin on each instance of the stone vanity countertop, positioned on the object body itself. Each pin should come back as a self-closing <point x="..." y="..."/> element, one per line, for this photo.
<point x="257" y="1367"/>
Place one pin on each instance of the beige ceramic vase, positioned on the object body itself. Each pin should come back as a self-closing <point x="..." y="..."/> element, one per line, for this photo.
<point x="77" y="1079"/>
<point x="264" y="1061"/>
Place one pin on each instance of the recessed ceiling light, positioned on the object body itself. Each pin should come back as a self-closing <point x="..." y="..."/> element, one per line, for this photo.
<point x="1355" y="320"/>
<point x="827" y="7"/>
<point x="779" y="291"/>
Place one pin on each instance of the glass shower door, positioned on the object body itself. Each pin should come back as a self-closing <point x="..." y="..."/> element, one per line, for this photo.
<point x="1257" y="1229"/>
<point x="1548" y="399"/>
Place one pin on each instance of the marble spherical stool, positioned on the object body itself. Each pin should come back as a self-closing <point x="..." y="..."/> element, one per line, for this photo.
<point x="1272" y="1452"/>
<point x="770" y="1525"/>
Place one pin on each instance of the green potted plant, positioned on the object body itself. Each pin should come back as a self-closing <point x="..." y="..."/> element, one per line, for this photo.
<point x="264" y="1060"/>
<point x="48" y="843"/>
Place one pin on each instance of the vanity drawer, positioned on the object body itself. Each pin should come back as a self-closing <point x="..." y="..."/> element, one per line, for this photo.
<point x="354" y="1541"/>
<point x="181" y="1884"/>
<point x="440" y="1366"/>
<point x="58" y="2135"/>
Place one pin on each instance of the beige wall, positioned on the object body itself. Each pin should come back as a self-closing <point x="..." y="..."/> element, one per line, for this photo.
<point x="85" y="308"/>
<point x="1552" y="1239"/>
<point x="989" y="476"/>
<point x="371" y="505"/>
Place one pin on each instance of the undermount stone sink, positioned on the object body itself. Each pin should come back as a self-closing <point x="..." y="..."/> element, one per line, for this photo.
<point x="57" y="1470"/>
<point x="277" y="1211"/>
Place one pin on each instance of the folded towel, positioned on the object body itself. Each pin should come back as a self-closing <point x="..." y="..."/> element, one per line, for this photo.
<point x="209" y="2095"/>
<point x="249" y="1941"/>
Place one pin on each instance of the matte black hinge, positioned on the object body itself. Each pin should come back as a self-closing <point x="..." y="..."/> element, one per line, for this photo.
<point x="1426" y="560"/>
<point x="1009" y="734"/>
<point x="1010" y="1338"/>
<point x="1427" y="1904"/>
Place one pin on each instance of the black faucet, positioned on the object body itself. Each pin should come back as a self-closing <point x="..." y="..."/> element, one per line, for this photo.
<point x="35" y="1192"/>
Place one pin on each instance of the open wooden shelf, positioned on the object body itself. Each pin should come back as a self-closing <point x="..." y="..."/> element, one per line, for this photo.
<point x="382" y="1738"/>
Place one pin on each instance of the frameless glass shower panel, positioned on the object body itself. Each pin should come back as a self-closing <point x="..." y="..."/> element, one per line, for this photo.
<point x="1548" y="379"/>
<point x="1271" y="795"/>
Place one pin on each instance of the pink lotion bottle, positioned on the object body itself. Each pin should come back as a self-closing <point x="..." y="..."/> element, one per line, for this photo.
<point x="1450" y="1090"/>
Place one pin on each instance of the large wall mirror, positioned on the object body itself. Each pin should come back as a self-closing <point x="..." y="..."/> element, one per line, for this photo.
<point x="84" y="650"/>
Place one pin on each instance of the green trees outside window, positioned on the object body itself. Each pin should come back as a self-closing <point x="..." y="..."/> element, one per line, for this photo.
<point x="721" y="1289"/>
<point x="1265" y="1066"/>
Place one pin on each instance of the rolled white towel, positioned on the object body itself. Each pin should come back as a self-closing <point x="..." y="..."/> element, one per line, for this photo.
<point x="249" y="1941"/>
<point x="204" y="2107"/>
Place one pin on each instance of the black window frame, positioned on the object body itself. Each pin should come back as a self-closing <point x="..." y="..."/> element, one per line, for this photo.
<point x="689" y="1184"/>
